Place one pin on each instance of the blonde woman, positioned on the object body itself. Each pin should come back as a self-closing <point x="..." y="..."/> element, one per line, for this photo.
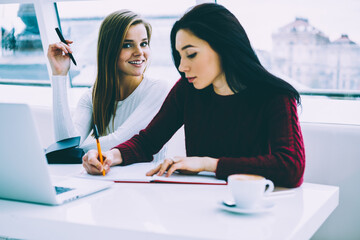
<point x="122" y="101"/>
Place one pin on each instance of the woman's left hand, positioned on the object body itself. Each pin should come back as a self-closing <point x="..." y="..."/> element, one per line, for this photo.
<point x="188" y="165"/>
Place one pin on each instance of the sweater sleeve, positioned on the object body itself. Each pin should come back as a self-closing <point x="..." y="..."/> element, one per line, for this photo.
<point x="151" y="101"/>
<point x="285" y="162"/>
<point x="63" y="122"/>
<point x="142" y="147"/>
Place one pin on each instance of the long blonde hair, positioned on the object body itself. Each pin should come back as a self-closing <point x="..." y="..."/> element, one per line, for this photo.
<point x="106" y="89"/>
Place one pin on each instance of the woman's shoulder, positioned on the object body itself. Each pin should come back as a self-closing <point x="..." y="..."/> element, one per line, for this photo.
<point x="149" y="82"/>
<point x="86" y="97"/>
<point x="280" y="102"/>
<point x="164" y="86"/>
<point x="166" y="82"/>
<point x="282" y="98"/>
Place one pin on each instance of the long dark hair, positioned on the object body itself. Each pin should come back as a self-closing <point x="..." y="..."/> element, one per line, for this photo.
<point x="217" y="26"/>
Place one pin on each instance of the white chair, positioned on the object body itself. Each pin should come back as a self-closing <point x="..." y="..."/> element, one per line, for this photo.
<point x="333" y="158"/>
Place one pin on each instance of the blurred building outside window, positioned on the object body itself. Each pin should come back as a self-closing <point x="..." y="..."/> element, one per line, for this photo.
<point x="21" y="56"/>
<point x="312" y="44"/>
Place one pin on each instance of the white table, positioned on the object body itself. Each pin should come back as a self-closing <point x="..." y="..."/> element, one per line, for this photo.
<point x="167" y="211"/>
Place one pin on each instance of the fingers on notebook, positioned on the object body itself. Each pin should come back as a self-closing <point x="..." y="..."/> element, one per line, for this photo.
<point x="107" y="163"/>
<point x="161" y="168"/>
<point x="153" y="171"/>
<point x="173" y="168"/>
<point x="91" y="163"/>
<point x="91" y="169"/>
<point x="164" y="166"/>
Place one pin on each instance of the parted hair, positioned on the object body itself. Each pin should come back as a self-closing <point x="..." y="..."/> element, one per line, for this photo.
<point x="217" y="26"/>
<point x="106" y="90"/>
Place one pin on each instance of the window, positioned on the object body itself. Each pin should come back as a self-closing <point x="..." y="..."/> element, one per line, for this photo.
<point x="316" y="48"/>
<point x="80" y="22"/>
<point x="315" y="45"/>
<point x="21" y="56"/>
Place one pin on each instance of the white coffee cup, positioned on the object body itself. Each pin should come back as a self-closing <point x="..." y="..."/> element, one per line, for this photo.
<point x="248" y="190"/>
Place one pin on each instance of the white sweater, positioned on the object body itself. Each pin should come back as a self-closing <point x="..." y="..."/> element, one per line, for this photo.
<point x="132" y="115"/>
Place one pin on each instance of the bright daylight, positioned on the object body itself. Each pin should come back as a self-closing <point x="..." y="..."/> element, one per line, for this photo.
<point x="183" y="119"/>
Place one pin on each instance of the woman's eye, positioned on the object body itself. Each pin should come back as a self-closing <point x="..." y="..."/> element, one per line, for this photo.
<point x="191" y="55"/>
<point x="127" y="45"/>
<point x="144" y="44"/>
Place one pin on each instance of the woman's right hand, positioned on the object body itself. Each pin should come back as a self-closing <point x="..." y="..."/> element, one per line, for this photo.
<point x="92" y="164"/>
<point x="58" y="57"/>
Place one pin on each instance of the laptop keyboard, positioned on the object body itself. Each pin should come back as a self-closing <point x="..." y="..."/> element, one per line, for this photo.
<point x="60" y="190"/>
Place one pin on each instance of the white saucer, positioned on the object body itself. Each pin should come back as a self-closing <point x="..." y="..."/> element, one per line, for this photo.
<point x="265" y="206"/>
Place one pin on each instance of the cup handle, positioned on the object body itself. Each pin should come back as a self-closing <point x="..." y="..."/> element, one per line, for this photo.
<point x="270" y="186"/>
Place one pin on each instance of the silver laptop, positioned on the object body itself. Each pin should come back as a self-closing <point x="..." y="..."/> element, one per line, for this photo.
<point x="24" y="173"/>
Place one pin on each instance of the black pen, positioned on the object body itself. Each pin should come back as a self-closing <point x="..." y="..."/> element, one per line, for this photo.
<point x="63" y="40"/>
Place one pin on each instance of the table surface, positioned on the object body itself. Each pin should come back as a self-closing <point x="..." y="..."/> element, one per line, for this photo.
<point x="167" y="211"/>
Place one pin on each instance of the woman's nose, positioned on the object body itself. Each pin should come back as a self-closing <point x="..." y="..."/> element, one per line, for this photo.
<point x="138" y="51"/>
<point x="183" y="66"/>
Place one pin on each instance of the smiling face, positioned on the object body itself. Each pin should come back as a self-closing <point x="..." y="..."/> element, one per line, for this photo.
<point x="200" y="63"/>
<point x="135" y="51"/>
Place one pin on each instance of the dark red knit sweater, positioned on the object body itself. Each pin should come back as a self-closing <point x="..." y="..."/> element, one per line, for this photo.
<point x="248" y="132"/>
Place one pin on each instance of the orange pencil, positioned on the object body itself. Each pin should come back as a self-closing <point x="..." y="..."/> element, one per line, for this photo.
<point x="96" y="133"/>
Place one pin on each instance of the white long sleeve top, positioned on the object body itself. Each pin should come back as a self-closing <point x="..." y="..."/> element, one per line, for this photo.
<point x="132" y="114"/>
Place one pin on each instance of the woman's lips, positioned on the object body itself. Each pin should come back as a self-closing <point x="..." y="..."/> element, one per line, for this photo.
<point x="191" y="79"/>
<point x="137" y="63"/>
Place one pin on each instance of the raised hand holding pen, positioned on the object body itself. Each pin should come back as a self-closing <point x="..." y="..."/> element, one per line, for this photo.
<point x="62" y="39"/>
<point x="59" y="62"/>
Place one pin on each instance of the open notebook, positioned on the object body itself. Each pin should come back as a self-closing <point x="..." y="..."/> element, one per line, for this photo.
<point x="136" y="173"/>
